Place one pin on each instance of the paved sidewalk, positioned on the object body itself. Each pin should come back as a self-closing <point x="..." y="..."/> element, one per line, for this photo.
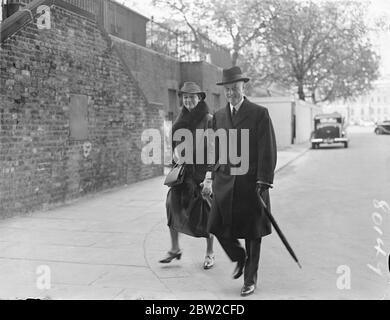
<point x="106" y="246"/>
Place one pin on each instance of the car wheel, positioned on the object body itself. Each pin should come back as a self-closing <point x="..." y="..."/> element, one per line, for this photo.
<point x="377" y="131"/>
<point x="313" y="145"/>
<point x="345" y="144"/>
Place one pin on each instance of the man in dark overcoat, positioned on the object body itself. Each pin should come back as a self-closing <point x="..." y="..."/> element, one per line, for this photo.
<point x="236" y="212"/>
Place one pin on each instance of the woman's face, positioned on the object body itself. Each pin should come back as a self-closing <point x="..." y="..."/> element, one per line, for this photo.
<point x="190" y="100"/>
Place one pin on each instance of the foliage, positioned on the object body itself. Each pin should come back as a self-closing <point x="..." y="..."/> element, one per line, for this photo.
<point x="237" y="22"/>
<point x="245" y="22"/>
<point x="321" y="49"/>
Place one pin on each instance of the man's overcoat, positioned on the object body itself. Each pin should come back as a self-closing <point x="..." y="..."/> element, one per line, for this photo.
<point x="236" y="211"/>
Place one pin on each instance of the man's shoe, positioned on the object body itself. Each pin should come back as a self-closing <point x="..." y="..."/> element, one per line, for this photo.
<point x="247" y="290"/>
<point x="239" y="269"/>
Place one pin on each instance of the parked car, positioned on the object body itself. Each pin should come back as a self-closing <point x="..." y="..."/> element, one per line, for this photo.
<point x="329" y="128"/>
<point x="383" y="127"/>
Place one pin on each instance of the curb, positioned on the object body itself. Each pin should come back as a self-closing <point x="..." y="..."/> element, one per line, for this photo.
<point x="292" y="160"/>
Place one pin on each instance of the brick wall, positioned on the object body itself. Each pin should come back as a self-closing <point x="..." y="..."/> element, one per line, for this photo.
<point x="40" y="73"/>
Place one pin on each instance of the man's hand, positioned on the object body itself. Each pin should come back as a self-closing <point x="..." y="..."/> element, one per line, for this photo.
<point x="207" y="185"/>
<point x="262" y="186"/>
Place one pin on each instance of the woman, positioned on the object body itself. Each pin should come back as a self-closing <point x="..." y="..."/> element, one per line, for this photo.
<point x="187" y="208"/>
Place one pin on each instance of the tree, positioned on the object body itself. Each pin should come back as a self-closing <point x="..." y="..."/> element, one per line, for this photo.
<point x="243" y="22"/>
<point x="321" y="49"/>
<point x="238" y="22"/>
<point x="193" y="13"/>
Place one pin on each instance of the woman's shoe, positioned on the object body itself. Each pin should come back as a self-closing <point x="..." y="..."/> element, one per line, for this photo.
<point x="209" y="261"/>
<point x="171" y="256"/>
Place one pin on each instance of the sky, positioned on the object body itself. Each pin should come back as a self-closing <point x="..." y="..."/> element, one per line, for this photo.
<point x="378" y="8"/>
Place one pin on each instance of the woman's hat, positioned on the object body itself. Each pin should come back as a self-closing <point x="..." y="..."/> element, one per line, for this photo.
<point x="193" y="88"/>
<point x="232" y="75"/>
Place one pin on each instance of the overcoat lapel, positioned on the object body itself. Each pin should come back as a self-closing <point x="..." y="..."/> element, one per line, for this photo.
<point x="242" y="114"/>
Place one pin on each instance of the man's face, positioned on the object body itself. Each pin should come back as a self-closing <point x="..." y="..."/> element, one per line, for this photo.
<point x="190" y="100"/>
<point x="234" y="92"/>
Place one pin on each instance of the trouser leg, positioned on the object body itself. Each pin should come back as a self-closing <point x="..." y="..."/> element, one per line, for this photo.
<point x="233" y="248"/>
<point x="210" y="243"/>
<point x="252" y="261"/>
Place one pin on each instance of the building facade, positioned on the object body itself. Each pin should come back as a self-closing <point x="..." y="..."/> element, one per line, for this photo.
<point x="373" y="107"/>
<point x="366" y="109"/>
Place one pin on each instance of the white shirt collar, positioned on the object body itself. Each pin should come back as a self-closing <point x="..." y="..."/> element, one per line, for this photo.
<point x="237" y="106"/>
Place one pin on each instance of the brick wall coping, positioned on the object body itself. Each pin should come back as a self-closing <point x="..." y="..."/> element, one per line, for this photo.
<point x="135" y="45"/>
<point x="15" y="22"/>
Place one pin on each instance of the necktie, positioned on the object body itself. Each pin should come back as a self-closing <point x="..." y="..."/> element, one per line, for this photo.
<point x="234" y="112"/>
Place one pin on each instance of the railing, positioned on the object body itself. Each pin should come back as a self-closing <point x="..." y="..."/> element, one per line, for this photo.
<point x="124" y="23"/>
<point x="162" y="39"/>
<point x="87" y="5"/>
<point x="184" y="46"/>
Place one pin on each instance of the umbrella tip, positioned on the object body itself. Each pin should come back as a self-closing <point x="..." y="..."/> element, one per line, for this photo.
<point x="299" y="265"/>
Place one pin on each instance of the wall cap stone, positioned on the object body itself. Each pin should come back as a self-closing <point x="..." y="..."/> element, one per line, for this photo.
<point x="18" y="20"/>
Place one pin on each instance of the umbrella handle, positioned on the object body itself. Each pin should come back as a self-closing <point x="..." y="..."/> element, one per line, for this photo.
<point x="261" y="199"/>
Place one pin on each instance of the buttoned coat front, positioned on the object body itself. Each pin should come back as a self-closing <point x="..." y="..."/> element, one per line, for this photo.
<point x="236" y="211"/>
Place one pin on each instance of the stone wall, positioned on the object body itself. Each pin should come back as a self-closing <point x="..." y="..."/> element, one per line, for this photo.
<point x="281" y="112"/>
<point x="305" y="113"/>
<point x="161" y="77"/>
<point x="158" y="75"/>
<point x="284" y="111"/>
<point x="206" y="75"/>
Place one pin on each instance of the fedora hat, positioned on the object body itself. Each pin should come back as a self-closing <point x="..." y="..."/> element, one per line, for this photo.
<point x="192" y="88"/>
<point x="231" y="75"/>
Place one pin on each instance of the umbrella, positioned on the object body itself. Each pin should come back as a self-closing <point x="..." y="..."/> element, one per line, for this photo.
<point x="279" y="232"/>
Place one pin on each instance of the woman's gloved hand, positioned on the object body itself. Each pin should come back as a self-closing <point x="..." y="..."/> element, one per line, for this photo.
<point x="207" y="185"/>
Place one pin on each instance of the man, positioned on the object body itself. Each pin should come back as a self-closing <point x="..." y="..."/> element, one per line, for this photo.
<point x="236" y="212"/>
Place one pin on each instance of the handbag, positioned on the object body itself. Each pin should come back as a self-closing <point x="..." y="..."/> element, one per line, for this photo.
<point x="175" y="176"/>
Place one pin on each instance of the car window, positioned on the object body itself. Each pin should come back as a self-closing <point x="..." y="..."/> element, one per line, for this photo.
<point x="328" y="120"/>
<point x="327" y="124"/>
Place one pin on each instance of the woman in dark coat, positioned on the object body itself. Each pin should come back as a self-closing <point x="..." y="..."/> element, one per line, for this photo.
<point x="187" y="208"/>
